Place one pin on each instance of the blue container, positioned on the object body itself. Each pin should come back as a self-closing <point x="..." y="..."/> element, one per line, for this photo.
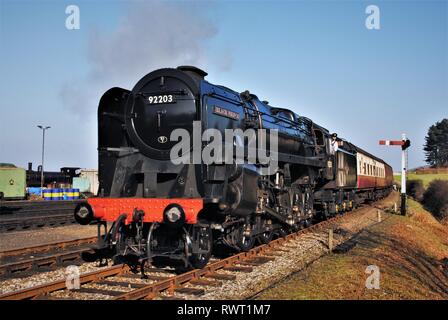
<point x="56" y="194"/>
<point x="75" y="193"/>
<point x="34" y="190"/>
<point x="65" y="194"/>
<point x="70" y="194"/>
<point x="60" y="194"/>
<point x="48" y="194"/>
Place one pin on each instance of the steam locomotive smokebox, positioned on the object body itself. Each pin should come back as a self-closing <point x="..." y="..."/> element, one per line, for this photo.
<point x="161" y="102"/>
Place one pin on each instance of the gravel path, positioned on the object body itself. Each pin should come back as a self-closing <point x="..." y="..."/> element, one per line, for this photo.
<point x="42" y="278"/>
<point x="29" y="238"/>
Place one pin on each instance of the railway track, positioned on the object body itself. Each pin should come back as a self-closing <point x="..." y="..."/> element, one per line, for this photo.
<point x="119" y="282"/>
<point x="25" y="215"/>
<point x="30" y="206"/>
<point x="27" y="223"/>
<point x="43" y="257"/>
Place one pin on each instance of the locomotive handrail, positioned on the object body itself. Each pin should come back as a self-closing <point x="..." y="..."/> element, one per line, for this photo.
<point x="128" y="151"/>
<point x="118" y="116"/>
<point x="295" y="124"/>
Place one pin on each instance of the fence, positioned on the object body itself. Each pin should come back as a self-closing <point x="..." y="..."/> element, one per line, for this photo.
<point x="432" y="171"/>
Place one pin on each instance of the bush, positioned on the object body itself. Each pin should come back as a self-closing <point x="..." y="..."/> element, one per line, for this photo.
<point x="435" y="198"/>
<point x="415" y="189"/>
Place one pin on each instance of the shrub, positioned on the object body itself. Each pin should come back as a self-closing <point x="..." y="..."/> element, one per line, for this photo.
<point x="415" y="189"/>
<point x="435" y="198"/>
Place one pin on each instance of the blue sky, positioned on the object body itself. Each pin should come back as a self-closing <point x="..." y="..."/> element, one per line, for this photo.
<point x="317" y="58"/>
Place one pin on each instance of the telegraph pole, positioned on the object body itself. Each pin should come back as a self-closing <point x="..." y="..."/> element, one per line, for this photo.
<point x="404" y="143"/>
<point x="42" y="165"/>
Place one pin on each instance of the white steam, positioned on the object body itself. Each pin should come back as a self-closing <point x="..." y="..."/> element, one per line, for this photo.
<point x="151" y="35"/>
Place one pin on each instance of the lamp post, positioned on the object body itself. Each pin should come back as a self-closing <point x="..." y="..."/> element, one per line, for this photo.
<point x="42" y="165"/>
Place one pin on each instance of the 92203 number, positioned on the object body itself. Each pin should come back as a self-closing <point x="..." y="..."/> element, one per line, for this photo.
<point x="166" y="98"/>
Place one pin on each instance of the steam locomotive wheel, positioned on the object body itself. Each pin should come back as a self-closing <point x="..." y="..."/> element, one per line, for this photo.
<point x="118" y="238"/>
<point x="245" y="242"/>
<point x="282" y="232"/>
<point x="205" y="244"/>
<point x="266" y="237"/>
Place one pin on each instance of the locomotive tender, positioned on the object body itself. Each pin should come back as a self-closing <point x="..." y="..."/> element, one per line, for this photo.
<point x="175" y="214"/>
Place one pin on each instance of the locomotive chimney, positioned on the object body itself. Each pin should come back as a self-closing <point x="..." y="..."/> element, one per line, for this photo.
<point x="30" y="166"/>
<point x="194" y="72"/>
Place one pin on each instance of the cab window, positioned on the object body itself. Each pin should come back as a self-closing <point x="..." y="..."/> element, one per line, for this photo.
<point x="320" y="140"/>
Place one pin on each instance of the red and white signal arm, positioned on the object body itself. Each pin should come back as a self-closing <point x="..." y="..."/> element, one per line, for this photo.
<point x="403" y="143"/>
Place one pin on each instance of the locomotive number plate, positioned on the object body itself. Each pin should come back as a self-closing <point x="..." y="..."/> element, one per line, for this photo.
<point x="163" y="98"/>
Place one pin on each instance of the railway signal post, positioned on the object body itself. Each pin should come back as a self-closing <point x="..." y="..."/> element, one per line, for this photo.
<point x="404" y="143"/>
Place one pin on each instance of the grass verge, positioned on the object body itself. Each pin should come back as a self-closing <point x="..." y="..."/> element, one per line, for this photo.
<point x="426" y="178"/>
<point x="411" y="253"/>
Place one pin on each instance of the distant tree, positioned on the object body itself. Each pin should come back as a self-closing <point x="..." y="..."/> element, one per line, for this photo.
<point x="436" y="145"/>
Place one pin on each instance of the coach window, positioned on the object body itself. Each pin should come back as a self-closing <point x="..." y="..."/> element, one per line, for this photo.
<point x="364" y="168"/>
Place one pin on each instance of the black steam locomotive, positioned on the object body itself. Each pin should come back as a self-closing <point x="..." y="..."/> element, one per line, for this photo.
<point x="172" y="213"/>
<point x="65" y="176"/>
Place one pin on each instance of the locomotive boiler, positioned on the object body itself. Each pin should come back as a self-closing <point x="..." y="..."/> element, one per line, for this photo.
<point x="168" y="211"/>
